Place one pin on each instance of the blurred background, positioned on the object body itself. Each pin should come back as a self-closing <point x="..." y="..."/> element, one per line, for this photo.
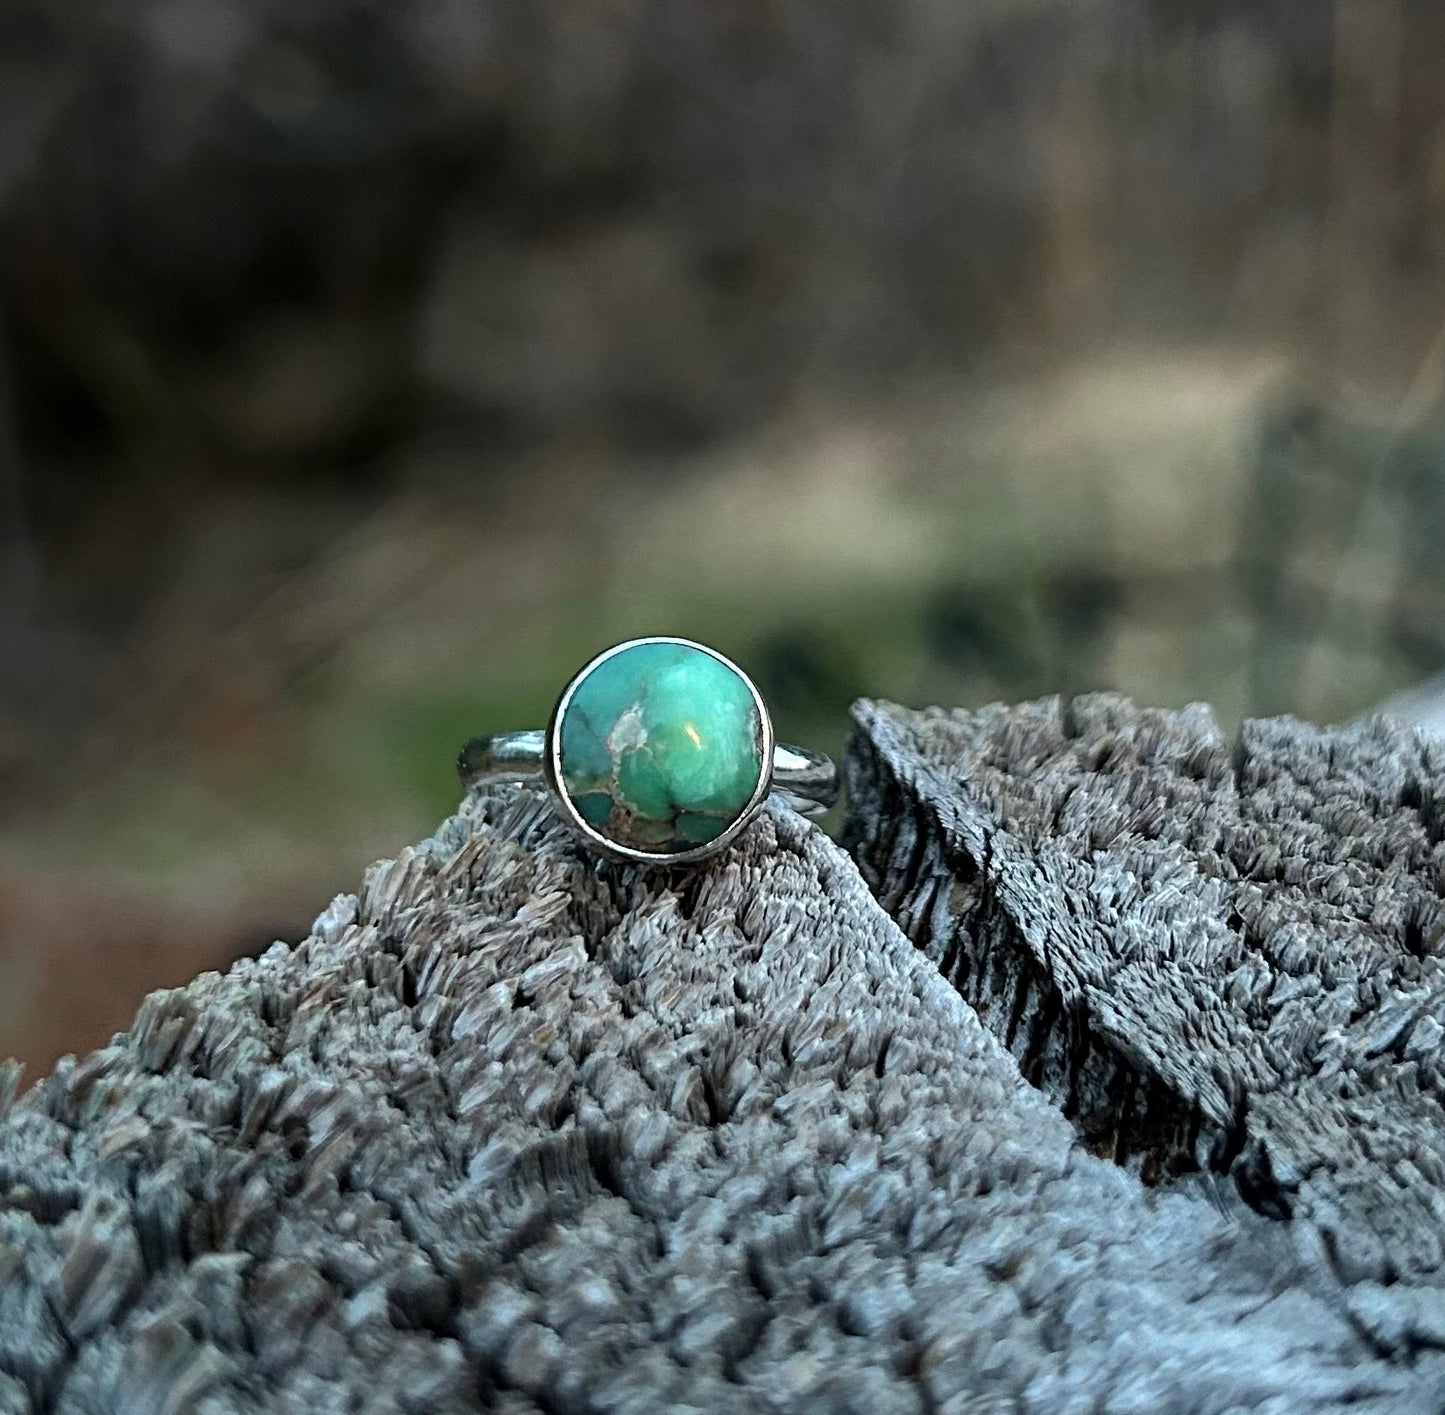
<point x="365" y="367"/>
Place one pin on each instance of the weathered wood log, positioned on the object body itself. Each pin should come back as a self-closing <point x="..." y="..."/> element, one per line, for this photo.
<point x="514" y="1130"/>
<point x="1211" y="957"/>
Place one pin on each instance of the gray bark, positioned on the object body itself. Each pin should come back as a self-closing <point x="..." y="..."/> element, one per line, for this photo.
<point x="514" y="1130"/>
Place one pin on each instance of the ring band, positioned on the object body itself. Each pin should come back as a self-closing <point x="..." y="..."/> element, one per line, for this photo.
<point x="659" y="751"/>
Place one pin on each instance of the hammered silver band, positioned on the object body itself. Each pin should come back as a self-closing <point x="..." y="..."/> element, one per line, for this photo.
<point x="805" y="780"/>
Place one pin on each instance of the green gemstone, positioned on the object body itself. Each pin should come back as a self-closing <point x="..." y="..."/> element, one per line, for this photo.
<point x="660" y="747"/>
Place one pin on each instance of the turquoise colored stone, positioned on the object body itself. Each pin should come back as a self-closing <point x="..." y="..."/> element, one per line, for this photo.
<point x="660" y="747"/>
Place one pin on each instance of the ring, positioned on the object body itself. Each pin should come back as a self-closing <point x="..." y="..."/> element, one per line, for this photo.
<point x="659" y="751"/>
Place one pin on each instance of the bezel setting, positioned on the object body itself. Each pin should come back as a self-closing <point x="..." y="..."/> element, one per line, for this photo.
<point x="614" y="850"/>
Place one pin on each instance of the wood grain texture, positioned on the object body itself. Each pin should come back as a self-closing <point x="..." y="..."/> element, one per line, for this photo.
<point x="515" y="1131"/>
<point x="1212" y="956"/>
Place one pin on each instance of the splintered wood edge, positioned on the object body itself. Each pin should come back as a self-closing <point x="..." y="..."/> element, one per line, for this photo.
<point x="1141" y="1018"/>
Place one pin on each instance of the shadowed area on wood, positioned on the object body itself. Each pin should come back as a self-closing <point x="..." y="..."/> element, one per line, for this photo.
<point x="514" y="1130"/>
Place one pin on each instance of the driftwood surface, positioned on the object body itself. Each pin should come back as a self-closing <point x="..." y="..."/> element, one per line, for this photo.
<point x="516" y="1130"/>
<point x="1212" y="956"/>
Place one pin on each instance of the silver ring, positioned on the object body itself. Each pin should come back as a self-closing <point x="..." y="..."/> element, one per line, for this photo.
<point x="659" y="751"/>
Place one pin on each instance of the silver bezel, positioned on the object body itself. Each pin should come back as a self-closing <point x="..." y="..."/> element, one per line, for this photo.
<point x="552" y="766"/>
